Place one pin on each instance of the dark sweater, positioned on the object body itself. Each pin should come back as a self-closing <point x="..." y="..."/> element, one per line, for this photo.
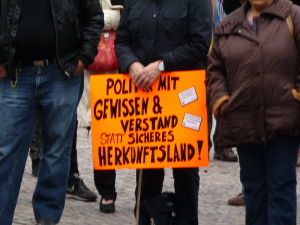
<point x="36" y="31"/>
<point x="231" y="5"/>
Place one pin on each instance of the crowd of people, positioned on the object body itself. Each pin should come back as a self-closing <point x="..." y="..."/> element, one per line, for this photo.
<point x="253" y="91"/>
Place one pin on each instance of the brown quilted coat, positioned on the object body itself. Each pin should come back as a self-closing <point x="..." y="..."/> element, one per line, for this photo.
<point x="256" y="70"/>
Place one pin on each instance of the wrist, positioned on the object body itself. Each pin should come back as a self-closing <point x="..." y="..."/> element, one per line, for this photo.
<point x="161" y="66"/>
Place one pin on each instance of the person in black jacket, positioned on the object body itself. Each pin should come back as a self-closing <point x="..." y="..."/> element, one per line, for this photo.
<point x="45" y="46"/>
<point x="231" y="5"/>
<point x="157" y="36"/>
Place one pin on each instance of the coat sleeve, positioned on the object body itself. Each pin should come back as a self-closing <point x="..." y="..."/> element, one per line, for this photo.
<point x="195" y="49"/>
<point x="123" y="43"/>
<point x="216" y="79"/>
<point x="3" y="15"/>
<point x="295" y="15"/>
<point x="230" y="5"/>
<point x="92" y="20"/>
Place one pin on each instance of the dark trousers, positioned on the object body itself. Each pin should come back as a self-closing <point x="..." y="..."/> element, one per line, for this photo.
<point x="268" y="175"/>
<point x="74" y="162"/>
<point x="105" y="182"/>
<point x="186" y="184"/>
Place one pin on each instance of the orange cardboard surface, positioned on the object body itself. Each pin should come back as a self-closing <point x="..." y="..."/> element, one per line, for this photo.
<point x="164" y="127"/>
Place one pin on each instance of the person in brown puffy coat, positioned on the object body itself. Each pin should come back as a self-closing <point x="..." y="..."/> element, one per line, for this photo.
<point x="253" y="80"/>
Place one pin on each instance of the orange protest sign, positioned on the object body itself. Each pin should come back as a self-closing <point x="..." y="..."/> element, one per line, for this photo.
<point x="165" y="127"/>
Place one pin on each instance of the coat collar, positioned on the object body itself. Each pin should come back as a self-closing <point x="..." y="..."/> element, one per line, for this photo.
<point x="234" y="21"/>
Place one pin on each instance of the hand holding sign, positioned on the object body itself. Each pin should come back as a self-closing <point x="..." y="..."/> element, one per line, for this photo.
<point x="150" y="74"/>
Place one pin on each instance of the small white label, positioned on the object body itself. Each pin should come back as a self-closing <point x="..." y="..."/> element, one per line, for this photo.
<point x="106" y="35"/>
<point x="188" y="96"/>
<point x="191" y="121"/>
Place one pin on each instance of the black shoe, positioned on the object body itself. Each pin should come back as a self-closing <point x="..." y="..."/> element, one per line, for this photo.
<point x="46" y="222"/>
<point x="77" y="189"/>
<point x="107" y="208"/>
<point x="35" y="165"/>
<point x="225" y="154"/>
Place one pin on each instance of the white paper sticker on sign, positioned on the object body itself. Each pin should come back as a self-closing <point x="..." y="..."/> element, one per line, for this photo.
<point x="188" y="96"/>
<point x="191" y="121"/>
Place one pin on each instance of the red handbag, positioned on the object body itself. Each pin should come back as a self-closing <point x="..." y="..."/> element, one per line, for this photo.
<point x="106" y="59"/>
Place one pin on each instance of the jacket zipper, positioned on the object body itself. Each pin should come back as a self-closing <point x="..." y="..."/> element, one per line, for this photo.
<point x="68" y="74"/>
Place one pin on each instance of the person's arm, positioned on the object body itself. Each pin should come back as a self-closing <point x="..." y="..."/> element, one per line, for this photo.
<point x="295" y="14"/>
<point x="3" y="14"/>
<point x="92" y="20"/>
<point x="231" y="5"/>
<point x="3" y="40"/>
<point x="123" y="43"/>
<point x="216" y="81"/>
<point x="195" y="49"/>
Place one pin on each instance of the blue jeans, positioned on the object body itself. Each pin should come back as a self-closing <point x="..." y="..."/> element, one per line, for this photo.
<point x="268" y="174"/>
<point x="44" y="92"/>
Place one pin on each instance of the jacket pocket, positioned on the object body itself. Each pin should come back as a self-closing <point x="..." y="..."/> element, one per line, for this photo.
<point x="175" y="23"/>
<point x="135" y="21"/>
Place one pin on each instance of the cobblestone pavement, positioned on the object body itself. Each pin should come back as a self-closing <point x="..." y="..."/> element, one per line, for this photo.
<point x="218" y="182"/>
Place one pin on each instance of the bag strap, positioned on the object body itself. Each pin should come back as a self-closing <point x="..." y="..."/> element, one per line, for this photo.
<point x="292" y="31"/>
<point x="291" y="27"/>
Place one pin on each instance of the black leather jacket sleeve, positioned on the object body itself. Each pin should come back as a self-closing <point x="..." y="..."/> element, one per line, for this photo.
<point x="91" y="31"/>
<point x="3" y="29"/>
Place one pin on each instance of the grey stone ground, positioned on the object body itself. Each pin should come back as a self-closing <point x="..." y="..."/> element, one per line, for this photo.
<point x="220" y="182"/>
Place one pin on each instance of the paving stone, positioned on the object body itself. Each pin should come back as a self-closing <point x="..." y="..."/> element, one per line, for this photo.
<point x="219" y="182"/>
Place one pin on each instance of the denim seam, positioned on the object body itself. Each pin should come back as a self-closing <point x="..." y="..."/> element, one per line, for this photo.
<point x="12" y="175"/>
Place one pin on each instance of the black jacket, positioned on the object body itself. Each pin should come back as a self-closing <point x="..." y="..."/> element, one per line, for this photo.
<point x="176" y="31"/>
<point x="78" y="27"/>
<point x="231" y="5"/>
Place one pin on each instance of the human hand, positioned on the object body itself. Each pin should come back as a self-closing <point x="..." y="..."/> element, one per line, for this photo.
<point x="135" y="71"/>
<point x="150" y="74"/>
<point x="80" y="68"/>
<point x="3" y="72"/>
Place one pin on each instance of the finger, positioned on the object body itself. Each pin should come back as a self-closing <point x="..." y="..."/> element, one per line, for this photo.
<point x="134" y="79"/>
<point x="147" y="86"/>
<point x="145" y="82"/>
<point x="139" y="80"/>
